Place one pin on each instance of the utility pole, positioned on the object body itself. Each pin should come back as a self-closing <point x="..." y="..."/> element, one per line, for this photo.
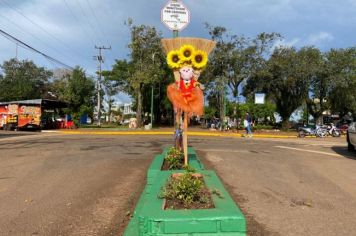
<point x="100" y="60"/>
<point x="153" y="60"/>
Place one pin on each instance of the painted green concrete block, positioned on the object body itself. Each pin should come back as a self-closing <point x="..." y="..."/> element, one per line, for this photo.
<point x="225" y="219"/>
<point x="157" y="163"/>
<point x="150" y="219"/>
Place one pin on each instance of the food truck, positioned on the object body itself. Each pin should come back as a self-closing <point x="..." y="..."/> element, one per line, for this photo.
<point x="29" y="114"/>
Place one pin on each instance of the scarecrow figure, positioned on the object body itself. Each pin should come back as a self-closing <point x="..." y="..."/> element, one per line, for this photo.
<point x="187" y="57"/>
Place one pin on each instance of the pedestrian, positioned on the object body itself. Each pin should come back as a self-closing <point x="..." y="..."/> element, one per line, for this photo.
<point x="247" y="125"/>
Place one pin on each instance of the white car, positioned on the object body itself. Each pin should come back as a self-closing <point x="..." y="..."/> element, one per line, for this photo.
<point x="351" y="136"/>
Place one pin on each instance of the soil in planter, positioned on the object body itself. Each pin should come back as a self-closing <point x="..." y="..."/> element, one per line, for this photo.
<point x="203" y="201"/>
<point x="173" y="160"/>
<point x="166" y="164"/>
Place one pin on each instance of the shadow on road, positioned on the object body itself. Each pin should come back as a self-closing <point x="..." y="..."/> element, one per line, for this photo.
<point x="342" y="150"/>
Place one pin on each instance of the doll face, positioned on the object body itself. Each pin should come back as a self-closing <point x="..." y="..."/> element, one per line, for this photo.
<point x="186" y="73"/>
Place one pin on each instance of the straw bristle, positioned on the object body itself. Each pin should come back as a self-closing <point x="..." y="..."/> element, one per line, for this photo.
<point x="198" y="43"/>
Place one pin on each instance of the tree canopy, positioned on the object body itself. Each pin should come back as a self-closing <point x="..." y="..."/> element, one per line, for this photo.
<point x="144" y="68"/>
<point x="23" y="80"/>
<point x="77" y="90"/>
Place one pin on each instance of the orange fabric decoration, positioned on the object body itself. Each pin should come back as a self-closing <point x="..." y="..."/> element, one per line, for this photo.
<point x="188" y="99"/>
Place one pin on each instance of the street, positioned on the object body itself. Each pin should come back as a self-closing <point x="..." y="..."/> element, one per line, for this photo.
<point x="61" y="184"/>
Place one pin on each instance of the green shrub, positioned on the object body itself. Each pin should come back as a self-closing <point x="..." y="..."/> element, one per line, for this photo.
<point x="259" y="127"/>
<point x="185" y="188"/>
<point x="175" y="159"/>
<point x="189" y="169"/>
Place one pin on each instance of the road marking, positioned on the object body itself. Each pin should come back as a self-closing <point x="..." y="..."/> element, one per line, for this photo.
<point x="191" y="133"/>
<point x="221" y="150"/>
<point x="312" y="151"/>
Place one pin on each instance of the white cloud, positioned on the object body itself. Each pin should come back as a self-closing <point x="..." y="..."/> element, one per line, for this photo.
<point x="285" y="43"/>
<point x="320" y="38"/>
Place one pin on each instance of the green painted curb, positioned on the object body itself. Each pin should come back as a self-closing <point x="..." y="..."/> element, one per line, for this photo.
<point x="225" y="219"/>
<point x="150" y="219"/>
<point x="157" y="163"/>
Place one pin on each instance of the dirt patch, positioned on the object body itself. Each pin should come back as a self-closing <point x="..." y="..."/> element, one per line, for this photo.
<point x="253" y="226"/>
<point x="123" y="218"/>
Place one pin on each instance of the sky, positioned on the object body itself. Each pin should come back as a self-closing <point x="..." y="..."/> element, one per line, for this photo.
<point x="68" y="30"/>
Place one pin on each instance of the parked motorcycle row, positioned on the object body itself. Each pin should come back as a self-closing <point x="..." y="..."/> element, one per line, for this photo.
<point x="319" y="131"/>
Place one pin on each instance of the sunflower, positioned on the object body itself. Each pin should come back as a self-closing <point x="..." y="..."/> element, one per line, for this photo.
<point x="199" y="60"/>
<point x="186" y="52"/>
<point x="173" y="59"/>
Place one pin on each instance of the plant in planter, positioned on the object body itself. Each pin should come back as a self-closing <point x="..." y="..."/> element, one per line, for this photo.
<point x="174" y="159"/>
<point x="186" y="191"/>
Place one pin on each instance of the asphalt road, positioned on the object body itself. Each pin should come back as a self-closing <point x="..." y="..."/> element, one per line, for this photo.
<point x="55" y="184"/>
<point x="8" y="134"/>
<point x="289" y="187"/>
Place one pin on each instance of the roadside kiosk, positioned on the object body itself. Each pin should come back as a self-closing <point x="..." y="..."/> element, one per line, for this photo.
<point x="30" y="114"/>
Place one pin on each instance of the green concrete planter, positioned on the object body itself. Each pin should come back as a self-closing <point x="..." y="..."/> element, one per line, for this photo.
<point x="149" y="217"/>
<point x="157" y="163"/>
<point x="225" y="219"/>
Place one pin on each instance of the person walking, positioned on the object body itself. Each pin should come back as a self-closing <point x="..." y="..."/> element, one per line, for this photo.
<point x="247" y="125"/>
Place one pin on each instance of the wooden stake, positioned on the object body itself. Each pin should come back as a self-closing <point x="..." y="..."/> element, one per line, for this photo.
<point x="185" y="138"/>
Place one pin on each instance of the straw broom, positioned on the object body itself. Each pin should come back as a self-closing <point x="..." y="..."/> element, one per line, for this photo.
<point x="198" y="43"/>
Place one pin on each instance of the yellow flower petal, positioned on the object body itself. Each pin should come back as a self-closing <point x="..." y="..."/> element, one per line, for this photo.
<point x="173" y="59"/>
<point x="199" y="59"/>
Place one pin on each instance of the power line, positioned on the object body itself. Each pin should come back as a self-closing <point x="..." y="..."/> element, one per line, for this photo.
<point x="93" y="30"/>
<point x="78" y="21"/>
<point x="102" y="34"/>
<point x="88" y="20"/>
<point x="96" y="19"/>
<point x="43" y="42"/>
<point x="40" y="27"/>
<point x="26" y="46"/>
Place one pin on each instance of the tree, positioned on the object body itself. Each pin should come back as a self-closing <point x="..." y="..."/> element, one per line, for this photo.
<point x="23" y="80"/>
<point x="261" y="113"/>
<point x="78" y="91"/>
<point x="145" y="67"/>
<point x="341" y="64"/>
<point x="220" y="67"/>
<point x="284" y="80"/>
<point x="316" y="72"/>
<point x="110" y="89"/>
<point x="236" y="59"/>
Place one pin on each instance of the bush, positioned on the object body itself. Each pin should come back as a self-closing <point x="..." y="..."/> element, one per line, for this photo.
<point x="175" y="159"/>
<point x="259" y="127"/>
<point x="185" y="188"/>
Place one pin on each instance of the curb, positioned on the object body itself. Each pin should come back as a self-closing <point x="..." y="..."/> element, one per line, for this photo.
<point x="190" y="133"/>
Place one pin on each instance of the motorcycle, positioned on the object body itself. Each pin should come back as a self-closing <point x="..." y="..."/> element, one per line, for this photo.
<point x="333" y="131"/>
<point x="308" y="131"/>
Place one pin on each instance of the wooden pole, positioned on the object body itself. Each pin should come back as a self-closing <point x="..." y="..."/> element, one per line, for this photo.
<point x="185" y="138"/>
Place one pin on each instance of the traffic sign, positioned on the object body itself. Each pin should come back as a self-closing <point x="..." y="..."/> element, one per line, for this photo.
<point x="175" y="15"/>
<point x="260" y="98"/>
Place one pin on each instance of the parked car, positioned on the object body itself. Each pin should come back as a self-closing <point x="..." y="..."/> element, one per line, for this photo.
<point x="351" y="136"/>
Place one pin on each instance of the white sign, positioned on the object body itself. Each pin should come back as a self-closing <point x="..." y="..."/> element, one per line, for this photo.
<point x="259" y="98"/>
<point x="175" y="15"/>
